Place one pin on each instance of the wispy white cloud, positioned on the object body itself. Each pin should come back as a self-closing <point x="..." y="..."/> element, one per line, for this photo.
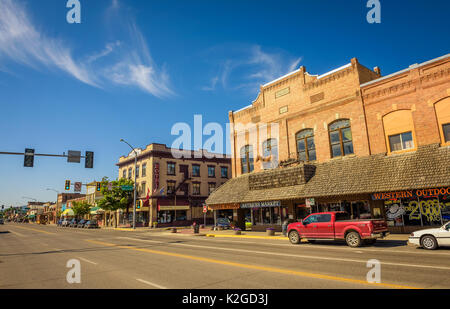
<point x="22" y="43"/>
<point x="125" y="61"/>
<point x="248" y="67"/>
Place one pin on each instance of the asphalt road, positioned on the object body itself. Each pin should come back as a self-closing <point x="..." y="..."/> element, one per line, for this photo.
<point x="33" y="256"/>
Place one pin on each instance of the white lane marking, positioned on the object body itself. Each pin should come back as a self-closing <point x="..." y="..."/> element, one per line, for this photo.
<point x="86" y="260"/>
<point x="328" y="247"/>
<point x="296" y="255"/>
<point x="18" y="234"/>
<point x="152" y="284"/>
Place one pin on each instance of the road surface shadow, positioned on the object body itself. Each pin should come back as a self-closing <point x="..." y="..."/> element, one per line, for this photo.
<point x="378" y="244"/>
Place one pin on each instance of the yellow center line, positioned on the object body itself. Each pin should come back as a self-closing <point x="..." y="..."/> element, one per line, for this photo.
<point x="36" y="230"/>
<point x="256" y="267"/>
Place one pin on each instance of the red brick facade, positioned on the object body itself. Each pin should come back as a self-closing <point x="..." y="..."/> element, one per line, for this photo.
<point x="299" y="101"/>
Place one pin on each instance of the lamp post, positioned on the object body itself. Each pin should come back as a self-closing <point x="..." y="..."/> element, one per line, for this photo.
<point x="135" y="165"/>
<point x="57" y="192"/>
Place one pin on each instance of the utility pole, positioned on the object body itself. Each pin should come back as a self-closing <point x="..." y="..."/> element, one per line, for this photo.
<point x="135" y="165"/>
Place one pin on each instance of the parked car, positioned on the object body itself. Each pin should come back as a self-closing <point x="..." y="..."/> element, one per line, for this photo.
<point x="81" y="223"/>
<point x="65" y="223"/>
<point x="337" y="226"/>
<point x="73" y="223"/>
<point x="223" y="222"/>
<point x="431" y="239"/>
<point x="92" y="224"/>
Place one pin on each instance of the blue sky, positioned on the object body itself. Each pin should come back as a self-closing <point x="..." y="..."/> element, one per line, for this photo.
<point x="133" y="68"/>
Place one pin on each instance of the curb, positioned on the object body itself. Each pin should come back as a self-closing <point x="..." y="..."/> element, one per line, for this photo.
<point x="247" y="236"/>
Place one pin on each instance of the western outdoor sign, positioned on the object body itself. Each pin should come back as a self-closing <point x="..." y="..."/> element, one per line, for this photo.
<point x="411" y="194"/>
<point x="261" y="204"/>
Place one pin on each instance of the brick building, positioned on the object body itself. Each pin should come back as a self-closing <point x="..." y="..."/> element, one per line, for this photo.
<point x="339" y="139"/>
<point x="177" y="181"/>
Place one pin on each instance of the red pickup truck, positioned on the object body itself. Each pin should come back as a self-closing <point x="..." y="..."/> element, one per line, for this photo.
<point x="337" y="225"/>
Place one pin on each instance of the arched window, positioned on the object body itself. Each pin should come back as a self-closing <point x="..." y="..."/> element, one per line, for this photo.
<point x="306" y="148"/>
<point x="341" y="142"/>
<point x="247" y="159"/>
<point x="270" y="153"/>
<point x="443" y="116"/>
<point x="399" y="131"/>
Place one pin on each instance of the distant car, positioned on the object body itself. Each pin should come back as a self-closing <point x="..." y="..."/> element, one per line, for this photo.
<point x="431" y="239"/>
<point x="223" y="222"/>
<point x="91" y="224"/>
<point x="73" y="223"/>
<point x="82" y="223"/>
<point x="65" y="223"/>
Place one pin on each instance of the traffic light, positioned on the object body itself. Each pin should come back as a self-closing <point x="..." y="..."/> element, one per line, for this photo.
<point x="99" y="186"/>
<point x="29" y="158"/>
<point x="67" y="185"/>
<point x="89" y="160"/>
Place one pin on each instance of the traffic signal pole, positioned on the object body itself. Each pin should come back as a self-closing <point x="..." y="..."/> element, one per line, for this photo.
<point x="30" y="153"/>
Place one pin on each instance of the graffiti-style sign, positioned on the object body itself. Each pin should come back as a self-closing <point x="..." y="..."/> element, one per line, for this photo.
<point x="395" y="211"/>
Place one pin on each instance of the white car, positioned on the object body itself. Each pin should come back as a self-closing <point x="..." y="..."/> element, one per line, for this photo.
<point x="431" y="239"/>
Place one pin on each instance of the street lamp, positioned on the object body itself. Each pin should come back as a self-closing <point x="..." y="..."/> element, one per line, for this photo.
<point x="29" y="198"/>
<point x="57" y="192"/>
<point x="135" y="165"/>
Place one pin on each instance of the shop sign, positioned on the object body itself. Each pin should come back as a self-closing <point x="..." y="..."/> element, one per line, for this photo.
<point x="162" y="208"/>
<point x="155" y="176"/>
<point x="411" y="194"/>
<point x="261" y="204"/>
<point x="223" y="207"/>
<point x="310" y="202"/>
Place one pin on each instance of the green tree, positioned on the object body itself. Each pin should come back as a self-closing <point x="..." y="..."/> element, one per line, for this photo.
<point x="81" y="209"/>
<point x="116" y="198"/>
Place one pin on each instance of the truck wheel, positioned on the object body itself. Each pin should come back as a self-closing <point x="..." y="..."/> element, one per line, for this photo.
<point x="353" y="239"/>
<point x="429" y="242"/>
<point x="294" y="237"/>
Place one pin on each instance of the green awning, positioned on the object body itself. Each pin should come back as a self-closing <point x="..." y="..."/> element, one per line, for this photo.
<point x="96" y="210"/>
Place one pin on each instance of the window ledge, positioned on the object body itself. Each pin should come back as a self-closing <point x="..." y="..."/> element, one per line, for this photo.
<point x="343" y="157"/>
<point x="400" y="152"/>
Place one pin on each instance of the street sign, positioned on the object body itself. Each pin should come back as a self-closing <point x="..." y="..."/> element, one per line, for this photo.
<point x="74" y="156"/>
<point x="127" y="188"/>
<point x="77" y="187"/>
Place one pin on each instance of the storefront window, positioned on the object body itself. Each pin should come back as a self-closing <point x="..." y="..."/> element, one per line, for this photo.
<point x="269" y="215"/>
<point x="166" y="216"/>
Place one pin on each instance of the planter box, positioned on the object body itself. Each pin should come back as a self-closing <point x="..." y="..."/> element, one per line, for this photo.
<point x="237" y="232"/>
<point x="270" y="232"/>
